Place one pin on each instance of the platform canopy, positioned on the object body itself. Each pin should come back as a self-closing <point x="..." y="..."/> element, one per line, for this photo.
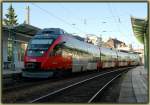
<point x="139" y="28"/>
<point x="25" y="29"/>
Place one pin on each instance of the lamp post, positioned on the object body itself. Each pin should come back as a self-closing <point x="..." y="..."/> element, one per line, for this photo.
<point x="73" y="25"/>
<point x="101" y="36"/>
<point x="103" y="22"/>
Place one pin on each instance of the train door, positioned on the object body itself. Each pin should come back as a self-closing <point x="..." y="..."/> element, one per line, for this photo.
<point x="76" y="66"/>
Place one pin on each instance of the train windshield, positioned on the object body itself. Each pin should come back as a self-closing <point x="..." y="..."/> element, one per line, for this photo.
<point x="38" y="46"/>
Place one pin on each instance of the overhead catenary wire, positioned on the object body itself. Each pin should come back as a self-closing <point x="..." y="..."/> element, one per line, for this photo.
<point x="121" y="23"/>
<point x="119" y="20"/>
<point x="111" y="11"/>
<point x="69" y="12"/>
<point x="55" y="16"/>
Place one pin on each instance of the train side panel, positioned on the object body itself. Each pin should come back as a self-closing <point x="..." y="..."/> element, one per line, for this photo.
<point x="108" y="58"/>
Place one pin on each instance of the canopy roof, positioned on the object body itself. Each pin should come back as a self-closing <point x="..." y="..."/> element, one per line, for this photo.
<point x="139" y="28"/>
<point x="25" y="29"/>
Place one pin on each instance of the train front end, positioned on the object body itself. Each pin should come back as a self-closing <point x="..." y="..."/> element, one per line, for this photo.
<point x="40" y="59"/>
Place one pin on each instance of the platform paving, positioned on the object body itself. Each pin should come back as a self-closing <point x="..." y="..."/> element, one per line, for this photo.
<point x="134" y="88"/>
<point x="8" y="72"/>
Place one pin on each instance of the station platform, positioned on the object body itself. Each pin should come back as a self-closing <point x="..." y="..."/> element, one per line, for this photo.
<point x="8" y="72"/>
<point x="134" y="88"/>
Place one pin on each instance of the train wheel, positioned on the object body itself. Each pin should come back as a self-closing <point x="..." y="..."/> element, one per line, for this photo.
<point x="58" y="74"/>
<point x="68" y="73"/>
<point x="61" y="73"/>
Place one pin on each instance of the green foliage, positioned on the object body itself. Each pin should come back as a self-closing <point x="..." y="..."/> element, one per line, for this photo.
<point x="11" y="17"/>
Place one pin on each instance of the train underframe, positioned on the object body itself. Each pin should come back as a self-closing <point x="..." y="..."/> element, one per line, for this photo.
<point x="41" y="73"/>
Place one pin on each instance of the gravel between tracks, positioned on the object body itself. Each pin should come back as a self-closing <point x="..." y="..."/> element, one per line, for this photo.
<point x="27" y="94"/>
<point x="80" y="93"/>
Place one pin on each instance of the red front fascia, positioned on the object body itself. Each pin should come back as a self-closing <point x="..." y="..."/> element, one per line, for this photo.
<point x="58" y="61"/>
<point x="51" y="62"/>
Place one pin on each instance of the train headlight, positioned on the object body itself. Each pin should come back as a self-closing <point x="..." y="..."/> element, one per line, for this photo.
<point x="41" y="52"/>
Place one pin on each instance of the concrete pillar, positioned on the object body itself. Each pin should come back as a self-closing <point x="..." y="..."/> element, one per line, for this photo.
<point x="146" y="48"/>
<point x="16" y="54"/>
<point x="145" y="53"/>
<point x="5" y="46"/>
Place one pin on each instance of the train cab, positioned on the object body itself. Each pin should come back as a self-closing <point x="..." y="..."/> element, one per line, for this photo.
<point x="43" y="52"/>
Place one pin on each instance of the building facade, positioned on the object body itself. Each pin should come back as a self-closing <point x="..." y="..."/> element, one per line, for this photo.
<point x="13" y="50"/>
<point x="114" y="43"/>
<point x="93" y="39"/>
<point x="125" y="47"/>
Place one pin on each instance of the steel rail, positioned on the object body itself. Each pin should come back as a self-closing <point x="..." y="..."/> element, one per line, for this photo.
<point x="23" y="84"/>
<point x="80" y="82"/>
<point x="101" y="89"/>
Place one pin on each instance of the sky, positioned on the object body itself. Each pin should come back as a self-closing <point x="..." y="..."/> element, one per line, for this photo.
<point x="105" y="19"/>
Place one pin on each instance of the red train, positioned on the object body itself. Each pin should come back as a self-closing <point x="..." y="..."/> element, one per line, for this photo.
<point x="53" y="51"/>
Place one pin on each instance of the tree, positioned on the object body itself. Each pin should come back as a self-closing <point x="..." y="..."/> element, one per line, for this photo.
<point x="11" y="17"/>
<point x="11" y="21"/>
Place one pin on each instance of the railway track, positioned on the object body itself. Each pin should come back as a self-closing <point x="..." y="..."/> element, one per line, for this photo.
<point x="94" y="97"/>
<point x="28" y="92"/>
<point x="22" y="83"/>
<point x="84" y="91"/>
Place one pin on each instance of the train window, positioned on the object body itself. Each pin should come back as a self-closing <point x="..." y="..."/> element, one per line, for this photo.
<point x="48" y="32"/>
<point x="35" y="52"/>
<point x="57" y="50"/>
<point x="61" y="32"/>
<point x="41" y="41"/>
<point x="40" y="44"/>
<point x="53" y="31"/>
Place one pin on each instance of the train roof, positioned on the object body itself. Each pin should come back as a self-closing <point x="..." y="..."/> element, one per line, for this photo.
<point x="59" y="31"/>
<point x="55" y="31"/>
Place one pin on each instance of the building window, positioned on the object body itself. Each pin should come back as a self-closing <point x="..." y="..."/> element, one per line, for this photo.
<point x="22" y="52"/>
<point x="9" y="57"/>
